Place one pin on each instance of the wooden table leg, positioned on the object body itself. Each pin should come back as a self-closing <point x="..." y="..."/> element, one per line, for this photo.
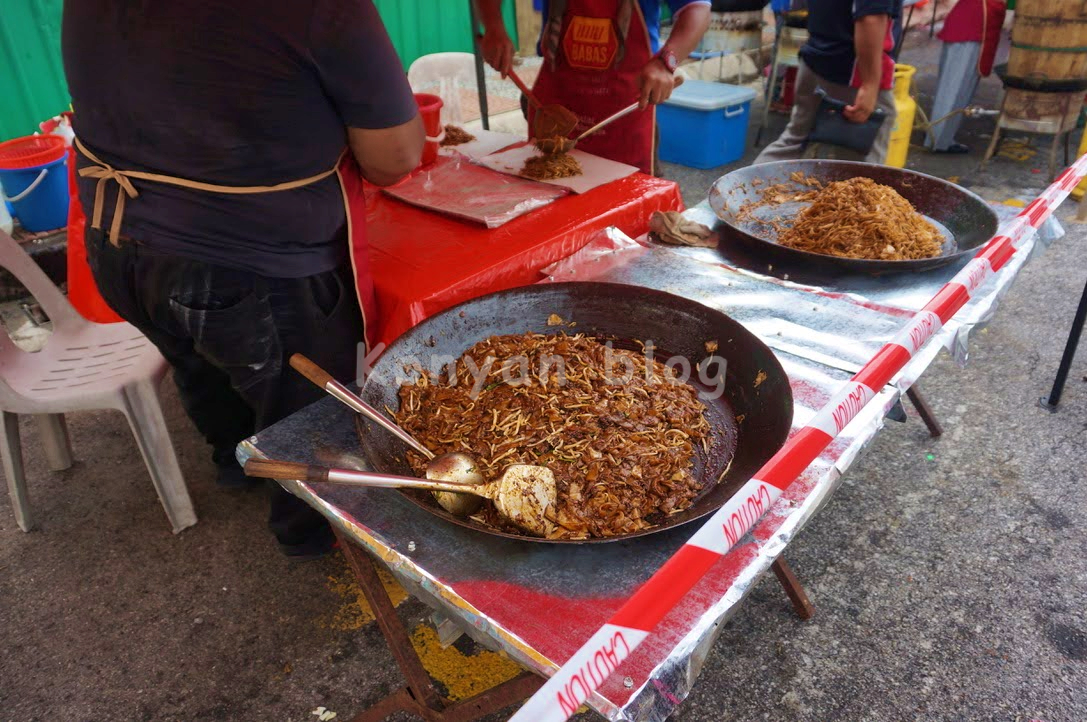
<point x="924" y="411"/>
<point x="801" y="604"/>
<point x="396" y="635"/>
<point x="420" y="697"/>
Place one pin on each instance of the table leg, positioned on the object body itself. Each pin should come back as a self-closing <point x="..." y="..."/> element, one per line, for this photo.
<point x="420" y="696"/>
<point x="924" y="411"/>
<point x="771" y="81"/>
<point x="1054" y="397"/>
<point x="422" y="689"/>
<point x="793" y="589"/>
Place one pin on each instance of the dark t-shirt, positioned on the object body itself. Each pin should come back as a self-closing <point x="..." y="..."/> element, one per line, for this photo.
<point x="231" y="92"/>
<point x="830" y="51"/>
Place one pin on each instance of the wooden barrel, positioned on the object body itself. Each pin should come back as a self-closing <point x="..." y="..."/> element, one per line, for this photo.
<point x="1049" y="40"/>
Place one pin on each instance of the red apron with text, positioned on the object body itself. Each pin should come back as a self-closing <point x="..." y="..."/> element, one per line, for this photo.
<point x="592" y="66"/>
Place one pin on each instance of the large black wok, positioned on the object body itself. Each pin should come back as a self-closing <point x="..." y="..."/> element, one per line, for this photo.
<point x="966" y="220"/>
<point x="750" y="421"/>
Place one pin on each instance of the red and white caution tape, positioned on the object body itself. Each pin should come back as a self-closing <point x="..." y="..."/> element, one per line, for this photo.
<point x="598" y="658"/>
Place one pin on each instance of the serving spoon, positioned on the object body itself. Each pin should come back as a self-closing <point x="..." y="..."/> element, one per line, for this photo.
<point x="456" y="468"/>
<point x="556" y="143"/>
<point x="522" y="494"/>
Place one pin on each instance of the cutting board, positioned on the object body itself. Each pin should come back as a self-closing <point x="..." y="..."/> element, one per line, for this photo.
<point x="486" y="142"/>
<point x="596" y="171"/>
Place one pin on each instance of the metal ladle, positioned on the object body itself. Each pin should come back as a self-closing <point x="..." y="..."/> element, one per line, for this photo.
<point x="550" y="120"/>
<point x="453" y="468"/>
<point x="522" y="494"/>
<point x="556" y="143"/>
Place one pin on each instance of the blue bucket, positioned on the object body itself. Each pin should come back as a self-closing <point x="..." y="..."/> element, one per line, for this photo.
<point x="38" y="194"/>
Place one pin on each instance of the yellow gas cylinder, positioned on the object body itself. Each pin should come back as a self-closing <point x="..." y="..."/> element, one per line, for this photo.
<point x="905" y="109"/>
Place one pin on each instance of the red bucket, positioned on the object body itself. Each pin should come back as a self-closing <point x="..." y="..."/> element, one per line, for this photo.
<point x="33" y="150"/>
<point x="430" y="110"/>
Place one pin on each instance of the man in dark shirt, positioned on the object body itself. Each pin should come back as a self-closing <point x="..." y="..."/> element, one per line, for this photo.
<point x="848" y="56"/>
<point x="214" y="96"/>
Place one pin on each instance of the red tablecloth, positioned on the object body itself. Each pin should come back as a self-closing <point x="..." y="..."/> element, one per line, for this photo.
<point x="424" y="262"/>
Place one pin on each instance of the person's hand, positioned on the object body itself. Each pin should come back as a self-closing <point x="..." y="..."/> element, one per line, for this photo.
<point x="656" y="84"/>
<point x="863" y="105"/>
<point x="497" y="49"/>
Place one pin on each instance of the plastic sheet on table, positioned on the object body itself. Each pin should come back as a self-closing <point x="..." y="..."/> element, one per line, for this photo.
<point x="787" y="319"/>
<point x="459" y="188"/>
<point x="896" y="294"/>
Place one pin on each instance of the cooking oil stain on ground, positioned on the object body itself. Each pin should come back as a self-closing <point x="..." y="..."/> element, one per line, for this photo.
<point x="463" y="675"/>
<point x="355" y="612"/>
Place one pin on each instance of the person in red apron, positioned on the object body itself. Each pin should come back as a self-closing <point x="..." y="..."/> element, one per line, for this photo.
<point x="599" y="57"/>
<point x="221" y="149"/>
<point x="971" y="34"/>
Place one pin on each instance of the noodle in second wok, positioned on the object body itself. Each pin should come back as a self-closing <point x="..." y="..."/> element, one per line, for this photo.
<point x="622" y="453"/>
<point x="859" y="218"/>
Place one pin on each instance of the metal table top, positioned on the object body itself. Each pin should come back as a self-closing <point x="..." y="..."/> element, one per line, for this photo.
<point x="537" y="602"/>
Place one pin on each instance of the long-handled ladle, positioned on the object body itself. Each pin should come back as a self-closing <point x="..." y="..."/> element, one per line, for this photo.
<point x="522" y="494"/>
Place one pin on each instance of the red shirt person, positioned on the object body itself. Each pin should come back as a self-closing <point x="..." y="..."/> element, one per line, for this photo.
<point x="970" y="35"/>
<point x="599" y="57"/>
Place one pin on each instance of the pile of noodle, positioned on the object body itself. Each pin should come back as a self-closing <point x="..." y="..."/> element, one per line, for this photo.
<point x="455" y="135"/>
<point x="548" y="167"/>
<point x="859" y="218"/>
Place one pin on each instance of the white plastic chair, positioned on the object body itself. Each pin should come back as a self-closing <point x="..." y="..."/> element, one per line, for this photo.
<point x="83" y="366"/>
<point x="444" y="70"/>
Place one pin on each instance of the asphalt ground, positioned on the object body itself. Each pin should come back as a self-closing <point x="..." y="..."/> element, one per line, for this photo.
<point x="949" y="575"/>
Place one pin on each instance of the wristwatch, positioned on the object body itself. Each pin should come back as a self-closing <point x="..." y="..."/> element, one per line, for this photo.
<point x="668" y="58"/>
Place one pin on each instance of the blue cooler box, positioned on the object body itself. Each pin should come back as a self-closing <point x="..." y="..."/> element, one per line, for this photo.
<point x="704" y="124"/>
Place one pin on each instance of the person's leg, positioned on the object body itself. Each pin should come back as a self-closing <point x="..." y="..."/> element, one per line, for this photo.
<point x="955" y="87"/>
<point x="790" y="144"/>
<point x="886" y="103"/>
<point x="123" y="275"/>
<point x="318" y="316"/>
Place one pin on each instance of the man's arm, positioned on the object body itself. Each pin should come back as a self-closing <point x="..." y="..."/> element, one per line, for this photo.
<point x="689" y="26"/>
<point x="496" y="46"/>
<point x="361" y="74"/>
<point x="869" y="33"/>
<point x="385" y="155"/>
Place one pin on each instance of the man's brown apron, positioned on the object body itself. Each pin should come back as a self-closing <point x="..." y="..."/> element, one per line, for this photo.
<point x="351" y="187"/>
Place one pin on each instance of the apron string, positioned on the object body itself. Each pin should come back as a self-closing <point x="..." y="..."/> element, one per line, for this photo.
<point x="105" y="173"/>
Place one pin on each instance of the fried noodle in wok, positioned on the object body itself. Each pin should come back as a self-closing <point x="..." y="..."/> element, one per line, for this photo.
<point x="622" y="453"/>
<point x="859" y="218"/>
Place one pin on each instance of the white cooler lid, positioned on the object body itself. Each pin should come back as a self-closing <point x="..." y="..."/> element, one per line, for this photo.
<point x="707" y="95"/>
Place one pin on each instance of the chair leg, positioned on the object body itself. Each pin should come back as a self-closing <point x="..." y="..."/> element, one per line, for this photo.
<point x="58" y="447"/>
<point x="13" y="470"/>
<point x="141" y="406"/>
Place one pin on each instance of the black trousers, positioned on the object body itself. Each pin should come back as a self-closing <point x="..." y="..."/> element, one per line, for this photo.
<point x="228" y="334"/>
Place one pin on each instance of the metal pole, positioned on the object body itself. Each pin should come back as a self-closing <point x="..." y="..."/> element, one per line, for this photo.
<point x="1069" y="354"/>
<point x="768" y="94"/>
<point x="481" y="78"/>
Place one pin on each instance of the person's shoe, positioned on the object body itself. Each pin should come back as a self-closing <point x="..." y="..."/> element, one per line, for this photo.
<point x="230" y="474"/>
<point x="954" y="149"/>
<point x="232" y="477"/>
<point x="320" y="546"/>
